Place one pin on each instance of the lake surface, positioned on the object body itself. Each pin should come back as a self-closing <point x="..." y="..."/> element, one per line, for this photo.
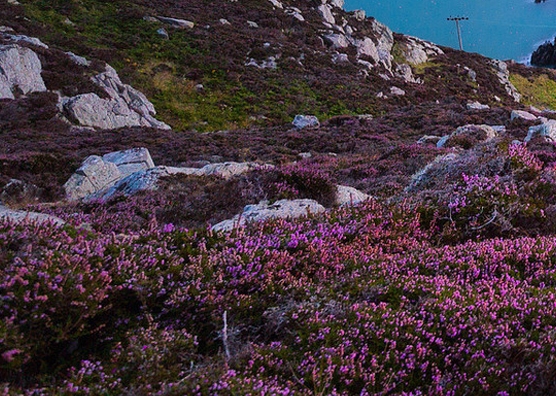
<point x="503" y="29"/>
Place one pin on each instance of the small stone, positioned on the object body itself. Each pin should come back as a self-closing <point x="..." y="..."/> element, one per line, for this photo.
<point x="178" y="23"/>
<point x="163" y="33"/>
<point x="252" y="24"/>
<point x="359" y="15"/>
<point x="477" y="106"/>
<point x="397" y="91"/>
<point x="224" y="21"/>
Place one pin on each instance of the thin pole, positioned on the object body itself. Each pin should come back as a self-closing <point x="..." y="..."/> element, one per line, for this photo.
<point x="457" y="19"/>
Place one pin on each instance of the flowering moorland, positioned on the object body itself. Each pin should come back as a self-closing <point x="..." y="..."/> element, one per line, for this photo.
<point x="360" y="300"/>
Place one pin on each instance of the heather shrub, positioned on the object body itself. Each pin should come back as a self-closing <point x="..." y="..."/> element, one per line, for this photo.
<point x="304" y="179"/>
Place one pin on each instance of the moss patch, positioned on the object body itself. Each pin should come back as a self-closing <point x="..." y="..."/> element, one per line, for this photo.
<point x="538" y="91"/>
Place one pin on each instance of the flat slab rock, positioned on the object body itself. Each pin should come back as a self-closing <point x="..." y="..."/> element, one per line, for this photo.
<point x="20" y="216"/>
<point x="265" y="210"/>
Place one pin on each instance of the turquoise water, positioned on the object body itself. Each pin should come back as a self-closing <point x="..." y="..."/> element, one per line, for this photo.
<point x="503" y="29"/>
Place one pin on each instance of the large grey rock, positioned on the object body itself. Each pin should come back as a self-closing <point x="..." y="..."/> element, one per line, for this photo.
<point x="93" y="175"/>
<point x="522" y="115"/>
<point x="547" y="130"/>
<point x="346" y="195"/>
<point x="264" y="211"/>
<point x="130" y="161"/>
<point x="336" y="40"/>
<point x="366" y="47"/>
<point x="125" y="107"/>
<point x="325" y="12"/>
<point x="305" y="121"/>
<point x="177" y="23"/>
<point x="268" y="63"/>
<point x="142" y="180"/>
<point x="20" y="68"/>
<point x="416" y="51"/>
<point x="503" y="74"/>
<point x="99" y="173"/>
<point x="21" y="216"/>
<point x="385" y="42"/>
<point x="404" y="71"/>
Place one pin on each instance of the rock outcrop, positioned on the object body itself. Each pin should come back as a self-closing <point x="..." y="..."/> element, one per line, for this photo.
<point x="503" y="74"/>
<point x="124" y="107"/>
<point x="99" y="173"/>
<point x="522" y="115"/>
<point x="20" y="71"/>
<point x="545" y="55"/>
<point x="416" y="51"/>
<point x="264" y="211"/>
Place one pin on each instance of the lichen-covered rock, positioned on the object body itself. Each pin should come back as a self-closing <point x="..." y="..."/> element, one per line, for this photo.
<point x="366" y="47"/>
<point x="93" y="175"/>
<point x="99" y="173"/>
<point x="228" y="170"/>
<point x="503" y="74"/>
<point x="130" y="161"/>
<point x="547" y="130"/>
<point x="305" y="121"/>
<point x="416" y="51"/>
<point x="146" y="179"/>
<point x="477" y="106"/>
<point x="385" y="42"/>
<point x="337" y="40"/>
<point x="325" y="12"/>
<point x="125" y="107"/>
<point x="20" y="216"/>
<point x="20" y="69"/>
<point x="346" y="195"/>
<point x="264" y="211"/>
<point x="522" y="115"/>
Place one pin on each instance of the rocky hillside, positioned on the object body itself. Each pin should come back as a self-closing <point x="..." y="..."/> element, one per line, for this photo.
<point x="268" y="197"/>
